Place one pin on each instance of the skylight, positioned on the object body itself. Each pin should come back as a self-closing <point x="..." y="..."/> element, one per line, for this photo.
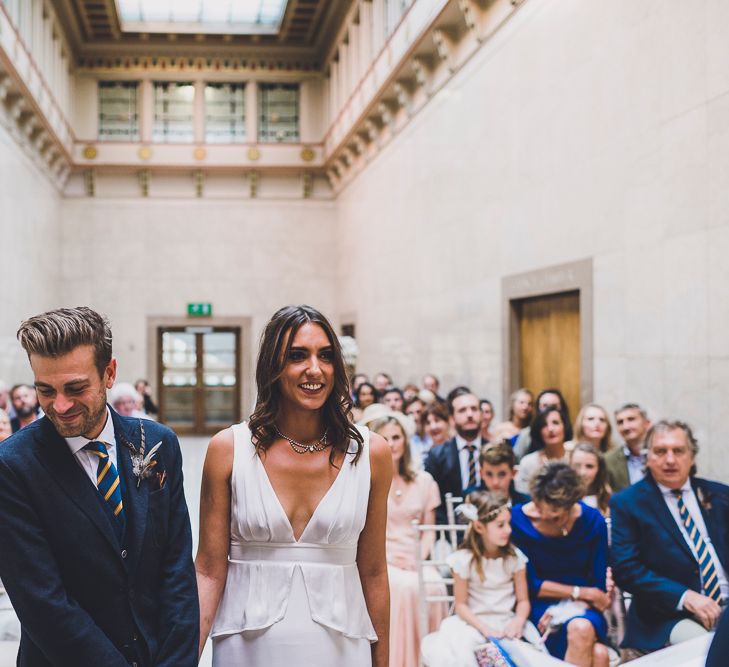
<point x="242" y="17"/>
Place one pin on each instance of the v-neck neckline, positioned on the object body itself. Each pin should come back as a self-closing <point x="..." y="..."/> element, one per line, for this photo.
<point x="318" y="505"/>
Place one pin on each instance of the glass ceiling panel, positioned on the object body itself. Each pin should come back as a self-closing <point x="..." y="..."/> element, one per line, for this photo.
<point x="241" y="17"/>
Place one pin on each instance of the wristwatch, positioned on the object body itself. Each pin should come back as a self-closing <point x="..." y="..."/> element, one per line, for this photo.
<point x="575" y="593"/>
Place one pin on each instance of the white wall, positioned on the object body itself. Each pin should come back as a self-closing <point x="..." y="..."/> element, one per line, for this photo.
<point x="138" y="258"/>
<point x="582" y="129"/>
<point x="29" y="252"/>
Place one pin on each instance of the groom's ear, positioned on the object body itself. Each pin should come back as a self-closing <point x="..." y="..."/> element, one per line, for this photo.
<point x="110" y="374"/>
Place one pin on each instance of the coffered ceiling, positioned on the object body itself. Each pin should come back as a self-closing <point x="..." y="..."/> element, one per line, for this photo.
<point x="306" y="29"/>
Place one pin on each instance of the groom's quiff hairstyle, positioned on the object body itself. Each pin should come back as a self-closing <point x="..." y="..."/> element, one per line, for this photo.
<point x="61" y="331"/>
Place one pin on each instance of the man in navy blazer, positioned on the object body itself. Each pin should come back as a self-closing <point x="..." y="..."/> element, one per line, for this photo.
<point x="670" y="544"/>
<point x="452" y="463"/>
<point x="95" y="534"/>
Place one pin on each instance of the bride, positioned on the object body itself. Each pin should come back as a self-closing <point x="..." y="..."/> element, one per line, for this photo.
<point x="291" y="565"/>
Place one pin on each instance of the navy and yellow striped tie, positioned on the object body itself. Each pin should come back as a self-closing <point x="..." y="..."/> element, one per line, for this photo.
<point x="709" y="578"/>
<point x="107" y="479"/>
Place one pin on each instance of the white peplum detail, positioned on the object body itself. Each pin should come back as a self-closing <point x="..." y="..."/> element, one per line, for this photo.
<point x="264" y="556"/>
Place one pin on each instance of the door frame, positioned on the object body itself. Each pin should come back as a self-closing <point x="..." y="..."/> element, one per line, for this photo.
<point x="154" y="323"/>
<point x="569" y="277"/>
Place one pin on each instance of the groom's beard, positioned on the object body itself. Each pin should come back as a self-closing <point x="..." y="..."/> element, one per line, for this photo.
<point x="87" y="420"/>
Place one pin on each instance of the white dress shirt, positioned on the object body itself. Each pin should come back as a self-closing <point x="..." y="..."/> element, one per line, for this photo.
<point x="88" y="461"/>
<point x="464" y="457"/>
<point x="635" y="463"/>
<point x="692" y="505"/>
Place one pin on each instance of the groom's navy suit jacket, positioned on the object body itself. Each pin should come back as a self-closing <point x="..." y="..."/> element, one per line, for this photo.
<point x="651" y="559"/>
<point x="86" y="596"/>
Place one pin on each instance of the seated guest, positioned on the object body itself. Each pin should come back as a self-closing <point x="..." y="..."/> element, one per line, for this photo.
<point x="548" y="438"/>
<point x="125" y="400"/>
<point x="25" y="404"/>
<point x="393" y="399"/>
<point x="149" y="407"/>
<point x="521" y="408"/>
<point x="670" y="545"/>
<point x="420" y="443"/>
<point x="497" y="462"/>
<point x="626" y="464"/>
<point x="382" y="382"/>
<point x="547" y="398"/>
<point x="432" y="384"/>
<point x="410" y="391"/>
<point x="593" y="425"/>
<point x="487" y="416"/>
<point x="364" y="395"/>
<point x="454" y="464"/>
<point x="566" y="544"/>
<point x="589" y="464"/>
<point x="436" y="424"/>
<point x="6" y="430"/>
<point x="413" y="496"/>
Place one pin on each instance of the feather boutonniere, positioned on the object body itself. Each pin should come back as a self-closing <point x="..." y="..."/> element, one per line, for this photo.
<point x="143" y="462"/>
<point x="704" y="499"/>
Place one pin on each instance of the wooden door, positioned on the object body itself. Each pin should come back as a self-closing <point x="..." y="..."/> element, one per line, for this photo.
<point x="549" y="344"/>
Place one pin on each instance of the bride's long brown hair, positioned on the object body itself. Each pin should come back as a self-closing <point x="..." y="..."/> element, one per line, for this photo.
<point x="272" y="358"/>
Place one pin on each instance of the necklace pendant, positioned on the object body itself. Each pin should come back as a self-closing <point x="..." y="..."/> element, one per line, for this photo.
<point x="311" y="448"/>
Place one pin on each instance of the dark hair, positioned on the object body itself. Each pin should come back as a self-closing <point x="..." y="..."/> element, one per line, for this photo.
<point x="393" y="390"/>
<point x="60" y="331"/>
<point x="454" y="393"/>
<point x="497" y="453"/>
<point x="600" y="487"/>
<point x="540" y="421"/>
<point x="488" y="505"/>
<point x="563" y="404"/>
<point x="276" y="342"/>
<point x="556" y="484"/>
<point x="15" y="388"/>
<point x="411" y="401"/>
<point x="359" y="389"/>
<point x="437" y="409"/>
<point x="481" y="402"/>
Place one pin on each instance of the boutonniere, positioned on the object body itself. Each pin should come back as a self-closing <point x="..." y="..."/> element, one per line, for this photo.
<point x="143" y="462"/>
<point x="704" y="499"/>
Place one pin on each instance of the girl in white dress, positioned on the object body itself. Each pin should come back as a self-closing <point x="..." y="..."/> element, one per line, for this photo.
<point x="490" y="587"/>
<point x="291" y="566"/>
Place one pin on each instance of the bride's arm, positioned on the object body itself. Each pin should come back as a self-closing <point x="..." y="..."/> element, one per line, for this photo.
<point x="371" y="560"/>
<point x="211" y="563"/>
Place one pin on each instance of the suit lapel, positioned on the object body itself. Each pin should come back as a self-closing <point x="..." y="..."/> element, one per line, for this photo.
<point x="623" y="474"/>
<point x="455" y="464"/>
<point x="663" y="514"/>
<point x="56" y="457"/>
<point x="137" y="498"/>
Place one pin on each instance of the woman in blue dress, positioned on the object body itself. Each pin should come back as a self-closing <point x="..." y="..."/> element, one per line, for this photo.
<point x="566" y="543"/>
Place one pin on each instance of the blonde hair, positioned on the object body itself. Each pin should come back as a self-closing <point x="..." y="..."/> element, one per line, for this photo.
<point x="488" y="506"/>
<point x="606" y="443"/>
<point x="405" y="466"/>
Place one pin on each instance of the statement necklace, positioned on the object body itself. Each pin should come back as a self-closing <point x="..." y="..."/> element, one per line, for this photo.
<point x="300" y="448"/>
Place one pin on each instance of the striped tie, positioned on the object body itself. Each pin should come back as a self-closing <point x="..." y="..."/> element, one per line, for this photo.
<point x="709" y="577"/>
<point x="471" y="466"/>
<point x="107" y="479"/>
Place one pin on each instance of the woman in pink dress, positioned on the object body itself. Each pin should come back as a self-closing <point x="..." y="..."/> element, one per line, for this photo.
<point x="413" y="495"/>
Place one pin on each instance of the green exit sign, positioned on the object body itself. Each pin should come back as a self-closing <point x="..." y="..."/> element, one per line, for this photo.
<point x="199" y="309"/>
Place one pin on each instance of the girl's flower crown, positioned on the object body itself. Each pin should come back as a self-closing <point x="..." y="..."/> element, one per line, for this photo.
<point x="468" y="511"/>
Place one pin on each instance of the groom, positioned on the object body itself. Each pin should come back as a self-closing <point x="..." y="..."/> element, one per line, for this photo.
<point x="95" y="542"/>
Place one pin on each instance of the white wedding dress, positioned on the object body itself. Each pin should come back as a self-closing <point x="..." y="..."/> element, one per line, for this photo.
<point x="291" y="603"/>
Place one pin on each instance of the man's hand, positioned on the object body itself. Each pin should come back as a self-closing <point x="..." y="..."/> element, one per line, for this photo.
<point x="705" y="610"/>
